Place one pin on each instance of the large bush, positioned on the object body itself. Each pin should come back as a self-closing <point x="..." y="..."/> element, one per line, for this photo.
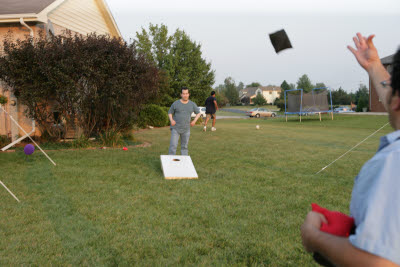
<point x="153" y="115"/>
<point x="97" y="82"/>
<point x="4" y="140"/>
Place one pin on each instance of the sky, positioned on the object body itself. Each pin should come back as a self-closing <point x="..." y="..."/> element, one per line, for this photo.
<point x="234" y="35"/>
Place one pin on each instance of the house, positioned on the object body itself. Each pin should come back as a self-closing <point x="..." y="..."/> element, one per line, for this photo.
<point x="53" y="17"/>
<point x="270" y="93"/>
<point x="375" y="103"/>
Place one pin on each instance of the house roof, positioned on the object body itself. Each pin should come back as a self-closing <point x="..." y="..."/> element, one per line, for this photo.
<point x="249" y="92"/>
<point x="270" y="88"/>
<point x="9" y="7"/>
<point x="387" y="60"/>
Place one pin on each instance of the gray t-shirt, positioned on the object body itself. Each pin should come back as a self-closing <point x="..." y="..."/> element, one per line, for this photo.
<point x="181" y="113"/>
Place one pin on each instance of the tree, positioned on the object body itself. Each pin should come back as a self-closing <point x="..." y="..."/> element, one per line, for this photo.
<point x="362" y="97"/>
<point x="219" y="88"/>
<point x="341" y="97"/>
<point x="305" y="83"/>
<point x="186" y="67"/>
<point x="320" y="85"/>
<point x="221" y="99"/>
<point x="259" y="100"/>
<point x="181" y="63"/>
<point x="97" y="81"/>
<point x="285" y="86"/>
<point x="253" y="84"/>
<point x="245" y="100"/>
<point x="280" y="102"/>
<point x="240" y="86"/>
<point x="230" y="91"/>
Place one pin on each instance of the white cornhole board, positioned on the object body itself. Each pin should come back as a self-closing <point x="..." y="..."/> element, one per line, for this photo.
<point x="178" y="167"/>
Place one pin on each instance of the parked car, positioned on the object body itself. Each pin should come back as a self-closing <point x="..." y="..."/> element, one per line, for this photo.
<point x="342" y="110"/>
<point x="202" y="112"/>
<point x="260" y="112"/>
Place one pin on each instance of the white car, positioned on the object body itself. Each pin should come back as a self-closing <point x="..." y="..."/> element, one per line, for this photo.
<point x="202" y="112"/>
<point x="342" y="110"/>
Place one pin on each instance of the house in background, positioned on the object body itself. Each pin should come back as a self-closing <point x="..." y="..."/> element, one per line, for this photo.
<point x="375" y="103"/>
<point x="29" y="18"/>
<point x="270" y="93"/>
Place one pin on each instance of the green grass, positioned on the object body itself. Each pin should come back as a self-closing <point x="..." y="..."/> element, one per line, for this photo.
<point x="113" y="207"/>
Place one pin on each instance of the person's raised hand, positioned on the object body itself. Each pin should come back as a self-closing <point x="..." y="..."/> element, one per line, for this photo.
<point x="365" y="52"/>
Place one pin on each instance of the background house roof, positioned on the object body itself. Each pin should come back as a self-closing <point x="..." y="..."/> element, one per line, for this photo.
<point x="387" y="60"/>
<point x="23" y="6"/>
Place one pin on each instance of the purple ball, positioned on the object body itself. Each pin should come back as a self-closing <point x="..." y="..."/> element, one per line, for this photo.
<point x="29" y="149"/>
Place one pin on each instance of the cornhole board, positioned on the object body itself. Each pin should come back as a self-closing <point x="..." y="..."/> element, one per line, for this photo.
<point x="178" y="167"/>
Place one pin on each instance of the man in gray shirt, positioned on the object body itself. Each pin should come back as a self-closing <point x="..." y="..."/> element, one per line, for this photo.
<point x="179" y="115"/>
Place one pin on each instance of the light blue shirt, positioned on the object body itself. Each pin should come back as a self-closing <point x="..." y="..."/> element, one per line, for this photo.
<point x="375" y="202"/>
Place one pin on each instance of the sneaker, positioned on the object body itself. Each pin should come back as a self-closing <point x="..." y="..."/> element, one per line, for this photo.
<point x="204" y="128"/>
<point x="213" y="129"/>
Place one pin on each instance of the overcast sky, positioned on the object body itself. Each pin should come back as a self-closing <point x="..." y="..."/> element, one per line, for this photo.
<point x="234" y="35"/>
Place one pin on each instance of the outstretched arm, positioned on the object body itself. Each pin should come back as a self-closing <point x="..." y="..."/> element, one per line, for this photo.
<point x="338" y="250"/>
<point x="367" y="56"/>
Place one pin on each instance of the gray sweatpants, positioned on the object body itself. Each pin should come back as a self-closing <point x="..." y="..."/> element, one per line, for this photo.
<point x="173" y="144"/>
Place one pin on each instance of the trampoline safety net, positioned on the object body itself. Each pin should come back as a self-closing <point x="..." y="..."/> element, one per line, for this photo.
<point x="315" y="101"/>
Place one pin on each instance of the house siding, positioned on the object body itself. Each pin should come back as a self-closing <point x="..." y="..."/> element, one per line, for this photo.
<point x="80" y="16"/>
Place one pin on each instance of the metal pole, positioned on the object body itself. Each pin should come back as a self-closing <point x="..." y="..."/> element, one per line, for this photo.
<point x="285" y="104"/>
<point x="301" y="103"/>
<point x="9" y="191"/>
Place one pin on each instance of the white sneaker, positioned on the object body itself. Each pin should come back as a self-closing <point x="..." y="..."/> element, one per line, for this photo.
<point x="204" y="128"/>
<point x="213" y="129"/>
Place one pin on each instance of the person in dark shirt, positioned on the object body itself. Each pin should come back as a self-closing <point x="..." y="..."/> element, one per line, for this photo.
<point x="211" y="108"/>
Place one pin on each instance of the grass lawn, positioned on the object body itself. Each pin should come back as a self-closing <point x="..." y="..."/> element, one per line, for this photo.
<point x="113" y="207"/>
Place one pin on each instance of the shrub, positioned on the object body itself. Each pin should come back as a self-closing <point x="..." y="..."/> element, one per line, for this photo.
<point x="153" y="115"/>
<point x="259" y="100"/>
<point x="3" y="100"/>
<point x="280" y="103"/>
<point x="362" y="103"/>
<point x="4" y="140"/>
<point x="95" y="81"/>
<point x="111" y="138"/>
<point x="81" y="142"/>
